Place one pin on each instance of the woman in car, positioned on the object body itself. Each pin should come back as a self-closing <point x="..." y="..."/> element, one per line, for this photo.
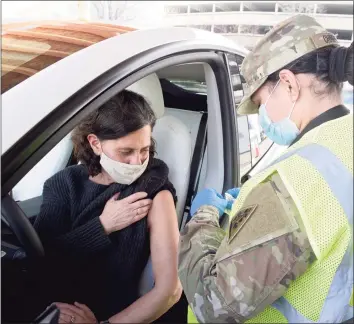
<point x="101" y="220"/>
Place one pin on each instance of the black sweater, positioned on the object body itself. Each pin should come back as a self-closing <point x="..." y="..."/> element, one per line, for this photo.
<point x="89" y="266"/>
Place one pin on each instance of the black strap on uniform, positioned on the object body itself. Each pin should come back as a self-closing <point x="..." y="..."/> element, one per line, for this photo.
<point x="196" y="164"/>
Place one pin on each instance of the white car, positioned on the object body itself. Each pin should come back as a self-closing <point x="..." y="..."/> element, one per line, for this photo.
<point x="55" y="73"/>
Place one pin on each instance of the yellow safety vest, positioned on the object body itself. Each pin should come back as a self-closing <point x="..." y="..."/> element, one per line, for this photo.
<point x="318" y="173"/>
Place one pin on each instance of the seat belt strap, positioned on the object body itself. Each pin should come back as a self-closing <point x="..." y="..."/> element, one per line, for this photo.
<point x="196" y="165"/>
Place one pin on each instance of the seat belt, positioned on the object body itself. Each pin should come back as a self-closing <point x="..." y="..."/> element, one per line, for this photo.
<point x="196" y="165"/>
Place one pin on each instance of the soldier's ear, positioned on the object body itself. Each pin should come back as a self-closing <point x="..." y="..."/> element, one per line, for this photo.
<point x="290" y="83"/>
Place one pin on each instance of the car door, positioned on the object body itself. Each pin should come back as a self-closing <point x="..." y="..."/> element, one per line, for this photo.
<point x="22" y="252"/>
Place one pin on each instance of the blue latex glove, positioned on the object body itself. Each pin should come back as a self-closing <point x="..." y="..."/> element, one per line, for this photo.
<point x="233" y="192"/>
<point x="212" y="198"/>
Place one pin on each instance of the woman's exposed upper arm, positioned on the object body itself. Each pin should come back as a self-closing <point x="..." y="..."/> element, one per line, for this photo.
<point x="164" y="238"/>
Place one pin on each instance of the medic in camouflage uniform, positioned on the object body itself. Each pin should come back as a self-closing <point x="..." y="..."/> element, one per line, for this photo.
<point x="286" y="254"/>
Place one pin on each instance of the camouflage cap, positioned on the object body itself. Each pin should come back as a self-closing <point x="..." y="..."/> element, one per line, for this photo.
<point x="286" y="42"/>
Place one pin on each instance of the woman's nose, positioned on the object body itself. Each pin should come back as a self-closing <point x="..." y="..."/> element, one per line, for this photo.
<point x="136" y="159"/>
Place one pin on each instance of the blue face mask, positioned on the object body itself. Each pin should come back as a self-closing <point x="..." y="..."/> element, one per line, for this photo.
<point x="282" y="132"/>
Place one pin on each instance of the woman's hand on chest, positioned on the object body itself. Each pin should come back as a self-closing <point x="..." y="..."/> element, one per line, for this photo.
<point x="118" y="214"/>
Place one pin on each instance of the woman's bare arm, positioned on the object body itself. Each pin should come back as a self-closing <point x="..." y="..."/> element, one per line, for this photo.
<point x="164" y="238"/>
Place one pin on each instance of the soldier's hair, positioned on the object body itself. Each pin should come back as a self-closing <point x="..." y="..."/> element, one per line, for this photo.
<point x="124" y="113"/>
<point x="331" y="65"/>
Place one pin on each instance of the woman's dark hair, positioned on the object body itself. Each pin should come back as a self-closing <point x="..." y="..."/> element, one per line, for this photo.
<point x="125" y="113"/>
<point x="331" y="65"/>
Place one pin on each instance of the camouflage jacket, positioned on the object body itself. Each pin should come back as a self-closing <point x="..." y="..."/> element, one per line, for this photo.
<point x="231" y="276"/>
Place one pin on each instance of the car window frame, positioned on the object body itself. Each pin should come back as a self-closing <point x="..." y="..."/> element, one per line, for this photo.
<point x="233" y="61"/>
<point x="254" y="164"/>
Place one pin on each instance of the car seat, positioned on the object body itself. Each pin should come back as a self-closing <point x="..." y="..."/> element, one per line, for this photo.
<point x="172" y="137"/>
<point x="173" y="146"/>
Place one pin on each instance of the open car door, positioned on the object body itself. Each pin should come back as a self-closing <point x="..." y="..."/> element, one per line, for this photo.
<point x="26" y="285"/>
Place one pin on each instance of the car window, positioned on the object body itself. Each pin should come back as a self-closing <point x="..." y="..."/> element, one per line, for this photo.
<point x="244" y="143"/>
<point x="260" y="143"/>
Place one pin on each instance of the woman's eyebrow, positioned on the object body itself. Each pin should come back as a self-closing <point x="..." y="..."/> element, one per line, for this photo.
<point x="125" y="149"/>
<point x="132" y="149"/>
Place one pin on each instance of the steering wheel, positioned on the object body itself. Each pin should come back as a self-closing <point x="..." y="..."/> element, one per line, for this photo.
<point x="21" y="227"/>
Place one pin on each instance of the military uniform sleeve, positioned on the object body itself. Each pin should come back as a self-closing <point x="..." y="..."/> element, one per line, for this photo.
<point x="231" y="276"/>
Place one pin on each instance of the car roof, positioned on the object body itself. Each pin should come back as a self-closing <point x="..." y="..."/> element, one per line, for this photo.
<point x="30" y="47"/>
<point x="48" y="88"/>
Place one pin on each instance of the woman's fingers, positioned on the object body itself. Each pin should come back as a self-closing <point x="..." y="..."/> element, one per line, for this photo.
<point x="138" y="217"/>
<point x="142" y="211"/>
<point x="135" y="197"/>
<point x="78" y="313"/>
<point x="141" y="204"/>
<point x="70" y="309"/>
<point x="63" y="318"/>
<point x="115" y="196"/>
<point x="67" y="316"/>
<point x="83" y="307"/>
<point x="140" y="214"/>
<point x="88" y="311"/>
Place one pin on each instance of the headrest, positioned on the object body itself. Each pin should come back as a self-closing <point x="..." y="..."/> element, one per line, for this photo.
<point x="150" y="88"/>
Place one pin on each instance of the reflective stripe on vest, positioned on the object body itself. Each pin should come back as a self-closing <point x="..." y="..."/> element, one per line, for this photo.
<point x="336" y="308"/>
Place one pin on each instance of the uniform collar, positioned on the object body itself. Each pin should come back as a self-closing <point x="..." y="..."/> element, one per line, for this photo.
<point x="333" y="113"/>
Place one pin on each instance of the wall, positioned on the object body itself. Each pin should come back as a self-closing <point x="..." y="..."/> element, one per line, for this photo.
<point x="243" y="21"/>
<point x="345" y="22"/>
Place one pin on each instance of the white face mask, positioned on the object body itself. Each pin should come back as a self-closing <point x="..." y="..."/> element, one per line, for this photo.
<point x="121" y="172"/>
